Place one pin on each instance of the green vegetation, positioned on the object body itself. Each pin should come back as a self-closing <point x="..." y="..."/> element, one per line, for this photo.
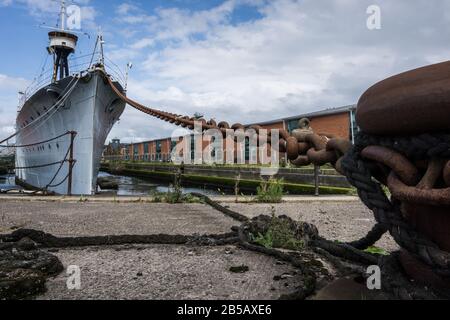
<point x="270" y="191"/>
<point x="292" y="188"/>
<point x="173" y="197"/>
<point x="175" y="193"/>
<point x="377" y="250"/>
<point x="279" y="235"/>
<point x="236" y="187"/>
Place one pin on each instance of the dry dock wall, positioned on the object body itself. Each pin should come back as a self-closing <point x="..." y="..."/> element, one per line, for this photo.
<point x="296" y="180"/>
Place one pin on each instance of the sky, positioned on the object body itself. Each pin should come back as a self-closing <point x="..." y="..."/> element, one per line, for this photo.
<point x="236" y="60"/>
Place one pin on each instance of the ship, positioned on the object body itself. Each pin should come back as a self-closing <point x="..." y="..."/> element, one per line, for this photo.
<point x="65" y="117"/>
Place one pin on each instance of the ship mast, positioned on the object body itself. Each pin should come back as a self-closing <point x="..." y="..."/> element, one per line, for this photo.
<point x="63" y="14"/>
<point x="62" y="45"/>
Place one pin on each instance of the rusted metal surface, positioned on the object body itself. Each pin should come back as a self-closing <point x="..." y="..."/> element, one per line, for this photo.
<point x="394" y="160"/>
<point x="447" y="174"/>
<point x="410" y="103"/>
<point x="432" y="175"/>
<point x="432" y="221"/>
<point x="403" y="192"/>
<point x="421" y="272"/>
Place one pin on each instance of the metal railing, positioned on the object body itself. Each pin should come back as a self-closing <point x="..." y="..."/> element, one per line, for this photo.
<point x="78" y="65"/>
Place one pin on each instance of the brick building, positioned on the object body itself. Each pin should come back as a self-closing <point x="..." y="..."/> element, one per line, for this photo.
<point x="335" y="122"/>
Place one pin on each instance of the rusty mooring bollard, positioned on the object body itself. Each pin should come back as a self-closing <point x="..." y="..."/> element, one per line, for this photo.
<point x="405" y="144"/>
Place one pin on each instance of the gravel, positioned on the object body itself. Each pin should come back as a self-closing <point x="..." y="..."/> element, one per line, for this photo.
<point x="91" y="219"/>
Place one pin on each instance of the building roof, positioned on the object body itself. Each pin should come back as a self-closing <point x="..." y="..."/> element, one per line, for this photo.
<point x="315" y="114"/>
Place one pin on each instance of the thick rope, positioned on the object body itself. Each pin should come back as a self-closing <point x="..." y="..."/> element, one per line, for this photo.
<point x="388" y="214"/>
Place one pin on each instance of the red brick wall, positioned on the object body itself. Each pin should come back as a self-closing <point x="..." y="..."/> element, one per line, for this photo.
<point x="337" y="125"/>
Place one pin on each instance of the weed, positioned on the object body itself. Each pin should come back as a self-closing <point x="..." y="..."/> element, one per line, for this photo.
<point x="279" y="234"/>
<point x="236" y="187"/>
<point x="270" y="191"/>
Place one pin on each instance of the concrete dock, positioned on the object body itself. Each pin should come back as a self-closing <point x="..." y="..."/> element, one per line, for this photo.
<point x="168" y="271"/>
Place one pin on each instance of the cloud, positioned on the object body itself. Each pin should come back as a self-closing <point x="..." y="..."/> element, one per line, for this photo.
<point x="9" y="88"/>
<point x="126" y="8"/>
<point x="143" y="43"/>
<point x="254" y="60"/>
<point x="47" y="10"/>
<point x="297" y="57"/>
<point x="5" y="3"/>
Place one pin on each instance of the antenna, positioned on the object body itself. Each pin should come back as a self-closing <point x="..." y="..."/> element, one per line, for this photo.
<point x="102" y="57"/>
<point x="63" y="15"/>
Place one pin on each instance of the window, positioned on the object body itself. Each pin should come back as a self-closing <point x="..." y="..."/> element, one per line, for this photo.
<point x="173" y="146"/>
<point x="292" y="125"/>
<point x="247" y="149"/>
<point x="354" y="129"/>
<point x="158" y="146"/>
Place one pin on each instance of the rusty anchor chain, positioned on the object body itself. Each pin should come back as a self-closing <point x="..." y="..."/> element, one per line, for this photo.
<point x="302" y="146"/>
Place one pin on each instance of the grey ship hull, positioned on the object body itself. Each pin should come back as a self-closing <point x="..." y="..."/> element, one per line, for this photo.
<point x="91" y="110"/>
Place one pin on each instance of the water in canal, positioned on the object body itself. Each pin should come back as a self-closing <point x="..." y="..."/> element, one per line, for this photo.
<point x="7" y="182"/>
<point x="128" y="186"/>
<point x="131" y="186"/>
